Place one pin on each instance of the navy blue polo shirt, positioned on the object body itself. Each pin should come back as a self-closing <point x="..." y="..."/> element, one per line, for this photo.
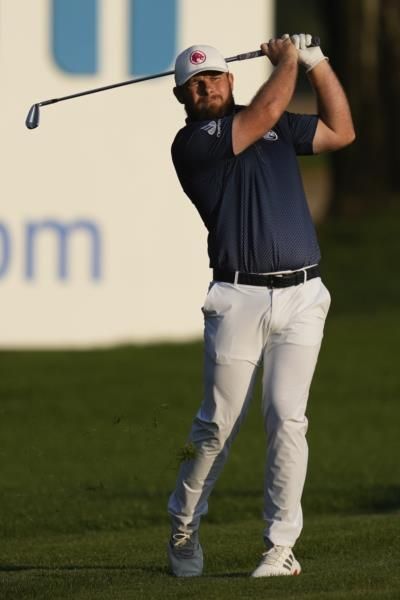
<point x="252" y="204"/>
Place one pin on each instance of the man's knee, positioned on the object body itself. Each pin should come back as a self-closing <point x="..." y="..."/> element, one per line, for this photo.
<point x="211" y="437"/>
<point x="285" y="424"/>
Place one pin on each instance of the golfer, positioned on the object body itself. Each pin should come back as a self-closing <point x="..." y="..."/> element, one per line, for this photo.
<point x="266" y="304"/>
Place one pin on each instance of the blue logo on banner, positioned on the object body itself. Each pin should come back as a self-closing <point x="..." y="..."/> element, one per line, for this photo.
<point x="152" y="35"/>
<point x="62" y="234"/>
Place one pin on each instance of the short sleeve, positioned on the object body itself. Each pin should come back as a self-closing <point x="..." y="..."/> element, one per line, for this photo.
<point x="302" y="129"/>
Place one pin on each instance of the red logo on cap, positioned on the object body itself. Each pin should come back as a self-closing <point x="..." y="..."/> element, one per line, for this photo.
<point x="197" y="57"/>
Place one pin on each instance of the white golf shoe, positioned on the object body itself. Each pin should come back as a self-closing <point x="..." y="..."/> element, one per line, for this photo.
<point x="279" y="560"/>
<point x="185" y="554"/>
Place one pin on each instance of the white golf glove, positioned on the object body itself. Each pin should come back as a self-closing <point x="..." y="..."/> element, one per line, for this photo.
<point x="309" y="56"/>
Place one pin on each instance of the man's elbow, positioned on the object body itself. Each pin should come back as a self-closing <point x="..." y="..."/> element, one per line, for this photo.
<point x="328" y="139"/>
<point x="340" y="141"/>
<point x="346" y="138"/>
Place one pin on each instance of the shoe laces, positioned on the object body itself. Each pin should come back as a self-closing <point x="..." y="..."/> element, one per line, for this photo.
<point x="180" y="539"/>
<point x="276" y="555"/>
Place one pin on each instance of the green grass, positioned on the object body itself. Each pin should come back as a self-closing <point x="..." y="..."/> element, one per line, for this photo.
<point x="108" y="565"/>
<point x="90" y="442"/>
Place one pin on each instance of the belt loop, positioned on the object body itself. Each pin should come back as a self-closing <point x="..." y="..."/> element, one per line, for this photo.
<point x="235" y="281"/>
<point x="305" y="275"/>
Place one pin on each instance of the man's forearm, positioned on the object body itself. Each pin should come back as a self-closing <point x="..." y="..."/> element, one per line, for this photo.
<point x="267" y="105"/>
<point x="276" y="93"/>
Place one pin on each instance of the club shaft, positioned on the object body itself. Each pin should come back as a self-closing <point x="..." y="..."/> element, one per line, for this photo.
<point x="105" y="87"/>
<point x="237" y="57"/>
<point x="32" y="120"/>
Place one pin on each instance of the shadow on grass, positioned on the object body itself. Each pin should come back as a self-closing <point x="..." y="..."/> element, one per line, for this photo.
<point x="380" y="498"/>
<point x="359" y="499"/>
<point x="18" y="568"/>
<point x="149" y="570"/>
<point x="238" y="575"/>
<point x="352" y="499"/>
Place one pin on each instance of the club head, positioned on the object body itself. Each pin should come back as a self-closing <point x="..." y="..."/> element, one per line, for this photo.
<point x="32" y="120"/>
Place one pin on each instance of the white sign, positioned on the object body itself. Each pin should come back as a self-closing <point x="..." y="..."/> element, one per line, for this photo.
<point x="98" y="243"/>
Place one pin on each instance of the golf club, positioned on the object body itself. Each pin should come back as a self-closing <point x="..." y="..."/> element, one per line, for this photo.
<point x="32" y="120"/>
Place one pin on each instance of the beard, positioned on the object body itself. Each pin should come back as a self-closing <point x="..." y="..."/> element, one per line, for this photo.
<point x="210" y="111"/>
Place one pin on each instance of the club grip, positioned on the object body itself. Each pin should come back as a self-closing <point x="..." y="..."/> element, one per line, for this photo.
<point x="315" y="41"/>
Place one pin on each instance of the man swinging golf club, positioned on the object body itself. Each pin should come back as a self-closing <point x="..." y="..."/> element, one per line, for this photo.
<point x="266" y="303"/>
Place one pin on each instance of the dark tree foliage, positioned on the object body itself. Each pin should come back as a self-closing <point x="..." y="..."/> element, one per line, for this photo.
<point x="298" y="17"/>
<point x="364" y="46"/>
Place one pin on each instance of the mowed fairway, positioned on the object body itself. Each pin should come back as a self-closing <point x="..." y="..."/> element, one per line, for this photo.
<point x="89" y="445"/>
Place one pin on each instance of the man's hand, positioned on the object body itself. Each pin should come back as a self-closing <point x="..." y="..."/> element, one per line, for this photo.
<point x="280" y="49"/>
<point x="309" y="56"/>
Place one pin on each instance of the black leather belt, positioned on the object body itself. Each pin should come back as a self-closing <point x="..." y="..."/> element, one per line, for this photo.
<point x="270" y="281"/>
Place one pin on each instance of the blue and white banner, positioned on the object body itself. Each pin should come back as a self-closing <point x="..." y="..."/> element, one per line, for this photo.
<point x="98" y="244"/>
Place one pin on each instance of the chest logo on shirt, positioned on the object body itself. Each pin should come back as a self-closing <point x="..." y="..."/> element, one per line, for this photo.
<point x="213" y="127"/>
<point x="271" y="136"/>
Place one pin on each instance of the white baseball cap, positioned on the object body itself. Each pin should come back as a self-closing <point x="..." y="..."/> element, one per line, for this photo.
<point x="197" y="59"/>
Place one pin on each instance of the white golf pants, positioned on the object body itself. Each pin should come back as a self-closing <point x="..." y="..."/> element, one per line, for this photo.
<point x="244" y="327"/>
